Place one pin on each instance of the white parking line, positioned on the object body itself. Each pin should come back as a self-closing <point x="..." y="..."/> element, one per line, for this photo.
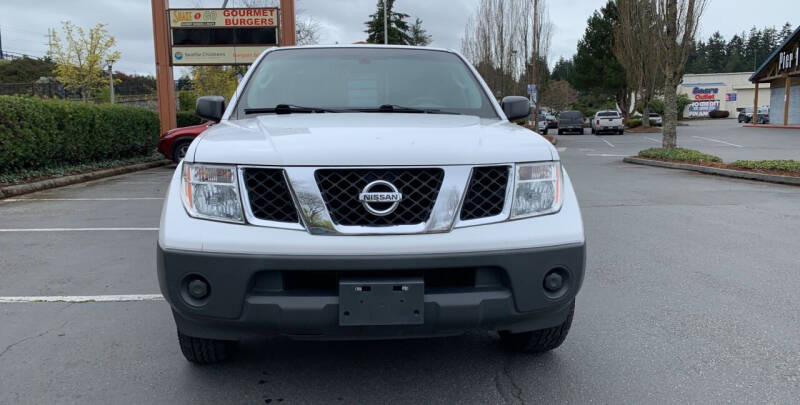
<point x="11" y="230"/>
<point x="717" y="140"/>
<point x="561" y="148"/>
<point x="84" y="298"/>
<point x="652" y="139"/>
<point x="609" y="143"/>
<point x="82" y="199"/>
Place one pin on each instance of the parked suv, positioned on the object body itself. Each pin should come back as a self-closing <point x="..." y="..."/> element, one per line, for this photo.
<point x="368" y="192"/>
<point x="570" y="121"/>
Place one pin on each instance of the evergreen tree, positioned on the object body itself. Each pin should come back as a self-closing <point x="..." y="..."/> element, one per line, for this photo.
<point x="715" y="53"/>
<point x="596" y="70"/>
<point x="786" y="31"/>
<point x="419" y="36"/>
<point x="562" y="69"/>
<point x="398" y="30"/>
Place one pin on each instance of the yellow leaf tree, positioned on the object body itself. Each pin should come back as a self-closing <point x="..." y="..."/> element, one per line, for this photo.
<point x="80" y="58"/>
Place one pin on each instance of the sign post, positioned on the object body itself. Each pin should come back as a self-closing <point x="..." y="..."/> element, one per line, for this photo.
<point x="165" y="87"/>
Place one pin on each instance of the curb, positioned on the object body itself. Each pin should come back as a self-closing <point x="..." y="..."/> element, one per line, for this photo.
<point x="771" y="126"/>
<point x="771" y="178"/>
<point x="26" y="188"/>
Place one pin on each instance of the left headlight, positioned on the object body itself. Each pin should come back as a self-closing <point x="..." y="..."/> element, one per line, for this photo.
<point x="211" y="192"/>
<point x="538" y="189"/>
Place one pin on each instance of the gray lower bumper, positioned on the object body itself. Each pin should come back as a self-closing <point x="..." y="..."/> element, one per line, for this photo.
<point x="244" y="302"/>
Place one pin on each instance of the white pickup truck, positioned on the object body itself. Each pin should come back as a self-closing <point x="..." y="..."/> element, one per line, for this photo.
<point x="608" y="121"/>
<point x="368" y="192"/>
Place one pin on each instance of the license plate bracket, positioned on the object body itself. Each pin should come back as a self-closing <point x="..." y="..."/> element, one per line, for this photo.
<point x="381" y="301"/>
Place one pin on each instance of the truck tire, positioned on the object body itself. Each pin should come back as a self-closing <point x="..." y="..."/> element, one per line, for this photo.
<point x="538" y="341"/>
<point x="206" y="351"/>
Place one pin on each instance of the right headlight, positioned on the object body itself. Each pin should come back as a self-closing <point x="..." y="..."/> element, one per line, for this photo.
<point x="538" y="189"/>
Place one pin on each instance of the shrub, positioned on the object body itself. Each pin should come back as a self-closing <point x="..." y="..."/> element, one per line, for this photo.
<point x="188" y="118"/>
<point x="785" y="165"/>
<point x="678" y="154"/>
<point x="718" y="114"/>
<point x="37" y="133"/>
<point x="187" y="100"/>
<point x="637" y="122"/>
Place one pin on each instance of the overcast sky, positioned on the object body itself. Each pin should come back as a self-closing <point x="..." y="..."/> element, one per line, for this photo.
<point x="24" y="24"/>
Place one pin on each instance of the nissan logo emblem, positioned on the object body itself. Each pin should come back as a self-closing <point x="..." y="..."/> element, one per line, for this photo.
<point x="380" y="198"/>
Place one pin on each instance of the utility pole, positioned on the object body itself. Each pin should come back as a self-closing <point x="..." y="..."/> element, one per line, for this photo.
<point x="535" y="56"/>
<point x="1" y="45"/>
<point x="385" y="25"/>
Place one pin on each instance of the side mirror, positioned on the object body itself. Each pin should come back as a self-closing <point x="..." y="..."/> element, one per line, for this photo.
<point x="210" y="107"/>
<point x="516" y="108"/>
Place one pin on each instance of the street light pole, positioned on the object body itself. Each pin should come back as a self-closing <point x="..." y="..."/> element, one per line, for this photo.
<point x="111" y="81"/>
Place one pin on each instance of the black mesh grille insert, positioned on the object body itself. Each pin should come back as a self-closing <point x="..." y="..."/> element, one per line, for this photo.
<point x="269" y="195"/>
<point x="341" y="187"/>
<point x="486" y="194"/>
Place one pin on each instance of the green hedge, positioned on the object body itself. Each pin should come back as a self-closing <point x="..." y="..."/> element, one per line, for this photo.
<point x="678" y="154"/>
<point x="785" y="165"/>
<point x="38" y="133"/>
<point x="718" y="114"/>
<point x="188" y="118"/>
<point x="637" y="122"/>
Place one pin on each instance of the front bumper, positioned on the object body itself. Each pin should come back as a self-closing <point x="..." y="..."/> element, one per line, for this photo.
<point x="250" y="296"/>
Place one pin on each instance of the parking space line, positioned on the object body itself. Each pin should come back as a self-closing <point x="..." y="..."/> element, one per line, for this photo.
<point x="83" y="298"/>
<point x="82" y="199"/>
<point x="717" y="140"/>
<point x="12" y="230"/>
<point x="609" y="143"/>
<point x="652" y="139"/>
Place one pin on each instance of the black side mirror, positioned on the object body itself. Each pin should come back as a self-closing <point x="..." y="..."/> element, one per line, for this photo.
<point x="210" y="107"/>
<point x="516" y="107"/>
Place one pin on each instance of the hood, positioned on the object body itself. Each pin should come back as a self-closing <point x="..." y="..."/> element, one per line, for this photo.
<point x="374" y="139"/>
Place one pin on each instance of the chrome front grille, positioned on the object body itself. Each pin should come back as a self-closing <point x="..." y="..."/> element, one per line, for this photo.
<point x="340" y="190"/>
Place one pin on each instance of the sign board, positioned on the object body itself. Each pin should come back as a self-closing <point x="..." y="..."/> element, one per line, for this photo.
<point x="705" y="94"/>
<point x="789" y="59"/>
<point x="532" y="92"/>
<point x="731" y="96"/>
<point x="230" y="36"/>
<point x="702" y="108"/>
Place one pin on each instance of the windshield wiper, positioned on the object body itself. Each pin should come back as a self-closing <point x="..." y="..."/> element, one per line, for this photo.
<point x="394" y="108"/>
<point x="288" y="109"/>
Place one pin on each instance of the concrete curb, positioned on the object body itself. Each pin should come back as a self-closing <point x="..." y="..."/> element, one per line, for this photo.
<point x="772" y="178"/>
<point x="26" y="188"/>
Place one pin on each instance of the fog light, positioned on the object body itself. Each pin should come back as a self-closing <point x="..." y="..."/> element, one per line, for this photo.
<point x="553" y="282"/>
<point x="198" y="289"/>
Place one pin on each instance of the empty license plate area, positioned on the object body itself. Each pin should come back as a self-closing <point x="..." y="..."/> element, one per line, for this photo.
<point x="389" y="301"/>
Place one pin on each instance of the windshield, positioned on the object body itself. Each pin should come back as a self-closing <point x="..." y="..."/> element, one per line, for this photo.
<point x="349" y="79"/>
<point x="570" y="115"/>
<point x="607" y="114"/>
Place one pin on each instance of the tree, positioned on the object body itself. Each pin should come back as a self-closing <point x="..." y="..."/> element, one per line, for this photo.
<point x="562" y="70"/>
<point x="215" y="80"/>
<point x="641" y="61"/>
<point x="419" y="36"/>
<point x="559" y="95"/>
<point x="786" y="32"/>
<point x="398" y="30"/>
<point x="596" y="70"/>
<point x="677" y="26"/>
<point x="81" y="60"/>
<point x="715" y="51"/>
<point x="25" y="70"/>
<point x="499" y="41"/>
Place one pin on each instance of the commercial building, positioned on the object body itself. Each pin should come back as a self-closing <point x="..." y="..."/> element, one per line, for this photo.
<point x="731" y="92"/>
<point x="781" y="71"/>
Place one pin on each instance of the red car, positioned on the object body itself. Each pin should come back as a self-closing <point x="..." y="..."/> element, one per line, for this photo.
<point x="175" y="142"/>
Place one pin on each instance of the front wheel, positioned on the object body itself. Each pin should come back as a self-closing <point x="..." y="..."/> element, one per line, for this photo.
<point x="206" y="351"/>
<point x="179" y="150"/>
<point x="538" y="341"/>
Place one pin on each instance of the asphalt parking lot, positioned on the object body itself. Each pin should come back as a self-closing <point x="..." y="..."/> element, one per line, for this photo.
<point x="691" y="295"/>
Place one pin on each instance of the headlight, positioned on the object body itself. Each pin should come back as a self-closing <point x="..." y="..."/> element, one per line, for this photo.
<point x="211" y="192"/>
<point x="537" y="189"/>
